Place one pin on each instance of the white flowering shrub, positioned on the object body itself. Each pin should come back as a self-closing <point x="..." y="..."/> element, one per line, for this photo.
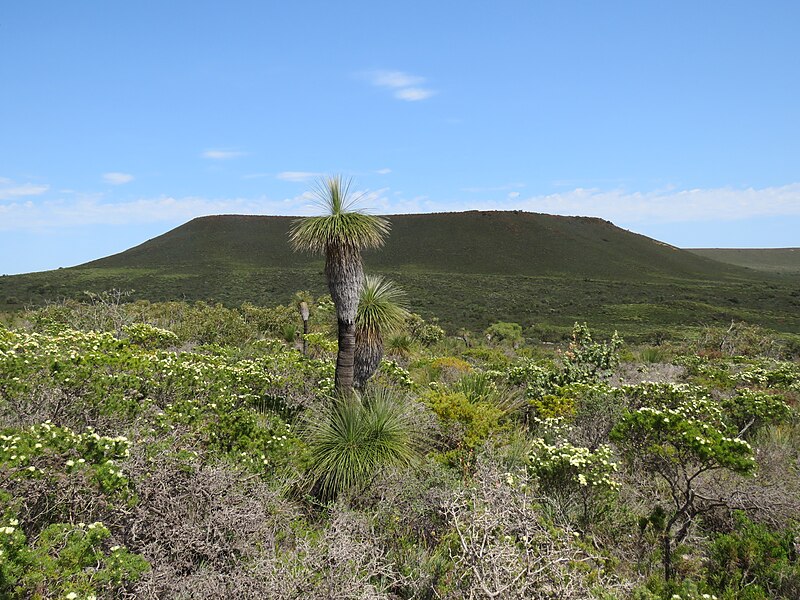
<point x="46" y="450"/>
<point x="581" y="482"/>
<point x="677" y="435"/>
<point x="65" y="561"/>
<point x="748" y="411"/>
<point x="149" y="336"/>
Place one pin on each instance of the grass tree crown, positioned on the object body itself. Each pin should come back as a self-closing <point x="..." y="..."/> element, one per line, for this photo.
<point x="382" y="308"/>
<point x="343" y="227"/>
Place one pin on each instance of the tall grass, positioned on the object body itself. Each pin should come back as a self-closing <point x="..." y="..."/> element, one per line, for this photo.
<point x="354" y="437"/>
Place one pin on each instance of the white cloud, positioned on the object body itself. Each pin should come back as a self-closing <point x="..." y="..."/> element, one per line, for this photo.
<point x="403" y="85"/>
<point x="630" y="209"/>
<point x="383" y="171"/>
<point x="395" y="79"/>
<point x="413" y="94"/>
<point x="297" y="176"/>
<point x="91" y="210"/>
<point x="665" y="206"/>
<point x="10" y="190"/>
<point x="117" y="178"/>
<point x="222" y="154"/>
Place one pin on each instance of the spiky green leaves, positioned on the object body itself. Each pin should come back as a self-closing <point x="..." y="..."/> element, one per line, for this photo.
<point x="352" y="439"/>
<point x="381" y="308"/>
<point x="342" y="227"/>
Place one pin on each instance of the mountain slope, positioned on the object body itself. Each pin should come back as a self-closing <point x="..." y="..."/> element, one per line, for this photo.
<point x="469" y="269"/>
<point x="499" y="243"/>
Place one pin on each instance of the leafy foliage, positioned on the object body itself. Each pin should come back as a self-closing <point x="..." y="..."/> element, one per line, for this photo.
<point x="350" y="440"/>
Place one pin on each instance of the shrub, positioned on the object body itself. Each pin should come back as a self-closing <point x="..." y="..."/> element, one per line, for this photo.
<point x="65" y="561"/>
<point x="352" y="438"/>
<point x="504" y="547"/>
<point x="148" y="336"/>
<point x="748" y="411"/>
<point x="448" y="369"/>
<point x="469" y="422"/>
<point x="587" y="360"/>
<point x="501" y="331"/>
<point x="740" y="339"/>
<point x="678" y="442"/>
<point x="579" y="481"/>
<point x="754" y="563"/>
<point x="426" y="333"/>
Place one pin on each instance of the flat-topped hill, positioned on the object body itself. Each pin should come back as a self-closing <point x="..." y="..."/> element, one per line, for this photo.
<point x="498" y="243"/>
<point x="469" y="269"/>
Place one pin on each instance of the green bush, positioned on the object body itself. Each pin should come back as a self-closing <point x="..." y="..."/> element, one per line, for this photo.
<point x="65" y="561"/>
<point x="754" y="563"/>
<point x="148" y="336"/>
<point x="477" y="419"/>
<point x="502" y="331"/>
<point x="587" y="360"/>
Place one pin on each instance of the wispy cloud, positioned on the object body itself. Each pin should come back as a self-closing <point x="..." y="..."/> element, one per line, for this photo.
<point x="10" y="190"/>
<point x="413" y="94"/>
<point x="88" y="210"/>
<point x="662" y="206"/>
<point x="383" y="171"/>
<point x="117" y="178"/>
<point x="395" y="79"/>
<point x="218" y="154"/>
<point x="402" y="85"/>
<point x="24" y="211"/>
<point x="297" y="176"/>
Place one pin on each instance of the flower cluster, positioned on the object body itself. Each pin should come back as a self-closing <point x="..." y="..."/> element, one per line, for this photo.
<point x="41" y="449"/>
<point x="568" y="464"/>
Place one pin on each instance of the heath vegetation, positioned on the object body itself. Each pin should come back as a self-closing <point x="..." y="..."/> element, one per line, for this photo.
<point x="347" y="447"/>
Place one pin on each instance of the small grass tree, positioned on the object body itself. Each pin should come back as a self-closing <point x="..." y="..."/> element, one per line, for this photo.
<point x="381" y="310"/>
<point x="354" y="438"/>
<point x="340" y="235"/>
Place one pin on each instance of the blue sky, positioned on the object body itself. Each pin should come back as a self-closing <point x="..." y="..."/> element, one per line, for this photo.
<point x="122" y="120"/>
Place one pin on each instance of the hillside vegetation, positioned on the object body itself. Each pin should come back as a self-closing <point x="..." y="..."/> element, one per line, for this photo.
<point x="774" y="260"/>
<point x="466" y="269"/>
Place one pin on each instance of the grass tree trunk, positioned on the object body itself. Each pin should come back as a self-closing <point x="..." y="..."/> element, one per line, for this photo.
<point x="368" y="355"/>
<point x="345" y="275"/>
<point x="304" y="314"/>
<point x="345" y="358"/>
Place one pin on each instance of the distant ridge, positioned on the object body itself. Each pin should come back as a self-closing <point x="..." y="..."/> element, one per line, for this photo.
<point x="773" y="260"/>
<point x="477" y="242"/>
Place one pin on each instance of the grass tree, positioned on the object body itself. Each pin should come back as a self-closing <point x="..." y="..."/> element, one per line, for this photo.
<point x="381" y="310"/>
<point x="303" y="302"/>
<point x="355" y="437"/>
<point x="340" y="235"/>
